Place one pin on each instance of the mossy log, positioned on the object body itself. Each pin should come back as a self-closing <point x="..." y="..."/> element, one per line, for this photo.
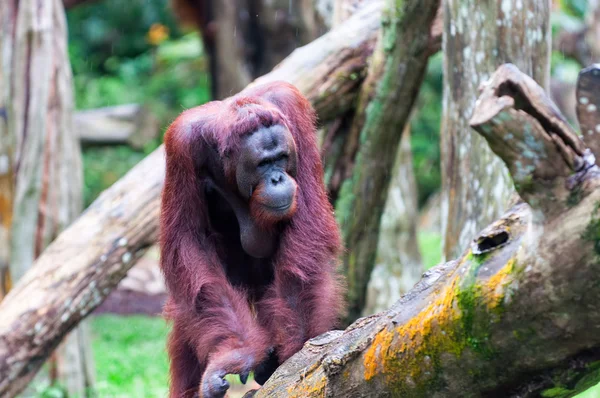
<point x="517" y="313"/>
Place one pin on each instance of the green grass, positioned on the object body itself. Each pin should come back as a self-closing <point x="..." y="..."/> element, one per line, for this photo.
<point x="430" y="245"/>
<point x="593" y="392"/>
<point x="130" y="356"/>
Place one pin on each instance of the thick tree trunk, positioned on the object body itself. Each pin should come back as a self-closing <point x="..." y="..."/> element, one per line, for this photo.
<point x="245" y="39"/>
<point x="7" y="143"/>
<point x="516" y="314"/>
<point x="89" y="258"/>
<point x="478" y="37"/>
<point x="44" y="155"/>
<point x="384" y="105"/>
<point x="398" y="266"/>
<point x="230" y="24"/>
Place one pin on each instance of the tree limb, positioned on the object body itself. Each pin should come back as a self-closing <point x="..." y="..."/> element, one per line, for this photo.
<point x="384" y="105"/>
<point x="518" y="313"/>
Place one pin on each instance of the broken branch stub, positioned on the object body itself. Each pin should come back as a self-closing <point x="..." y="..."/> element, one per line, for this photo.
<point x="588" y="104"/>
<point x="546" y="158"/>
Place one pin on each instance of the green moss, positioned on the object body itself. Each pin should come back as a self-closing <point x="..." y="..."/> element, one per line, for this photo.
<point x="556" y="392"/>
<point x="475" y="321"/>
<point x="575" y="196"/>
<point x="476" y="314"/>
<point x="592" y="230"/>
<point x="344" y="206"/>
<point x="524" y="184"/>
<point x="575" y="382"/>
<point x="590" y="377"/>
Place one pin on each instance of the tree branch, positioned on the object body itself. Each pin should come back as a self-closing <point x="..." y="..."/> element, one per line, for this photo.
<point x="518" y="313"/>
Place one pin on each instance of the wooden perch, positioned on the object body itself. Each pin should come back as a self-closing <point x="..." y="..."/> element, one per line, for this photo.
<point x="88" y="260"/>
<point x="130" y="124"/>
<point x="517" y="314"/>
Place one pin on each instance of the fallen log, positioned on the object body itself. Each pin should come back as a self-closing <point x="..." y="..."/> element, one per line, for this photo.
<point x="129" y="124"/>
<point x="518" y="313"/>
<point x="77" y="271"/>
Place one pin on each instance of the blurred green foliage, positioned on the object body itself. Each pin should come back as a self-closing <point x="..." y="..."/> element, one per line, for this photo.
<point x="430" y="246"/>
<point x="103" y="166"/>
<point x="575" y="8"/>
<point x="131" y="53"/>
<point x="425" y="130"/>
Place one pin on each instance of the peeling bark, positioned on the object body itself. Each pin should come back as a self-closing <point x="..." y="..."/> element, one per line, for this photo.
<point x="517" y="314"/>
<point x="478" y="37"/>
<point x="384" y="105"/>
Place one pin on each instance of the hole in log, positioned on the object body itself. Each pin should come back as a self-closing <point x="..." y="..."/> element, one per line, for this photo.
<point x="487" y="243"/>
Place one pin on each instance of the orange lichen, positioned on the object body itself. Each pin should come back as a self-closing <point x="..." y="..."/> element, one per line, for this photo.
<point x="311" y="386"/>
<point x="5" y="209"/>
<point x="374" y="356"/>
<point x="494" y="288"/>
<point x="409" y="356"/>
<point x="405" y="351"/>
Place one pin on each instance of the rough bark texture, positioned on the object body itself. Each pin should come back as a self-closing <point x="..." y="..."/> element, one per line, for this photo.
<point x="398" y="266"/>
<point x="384" y="105"/>
<point x="88" y="260"/>
<point x="478" y="37"/>
<point x="517" y="314"/>
<point x="45" y="154"/>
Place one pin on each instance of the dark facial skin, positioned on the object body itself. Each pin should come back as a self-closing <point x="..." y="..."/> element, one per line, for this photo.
<point x="267" y="163"/>
<point x="265" y="172"/>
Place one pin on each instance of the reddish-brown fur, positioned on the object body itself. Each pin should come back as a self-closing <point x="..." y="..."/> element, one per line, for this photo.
<point x="213" y="325"/>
